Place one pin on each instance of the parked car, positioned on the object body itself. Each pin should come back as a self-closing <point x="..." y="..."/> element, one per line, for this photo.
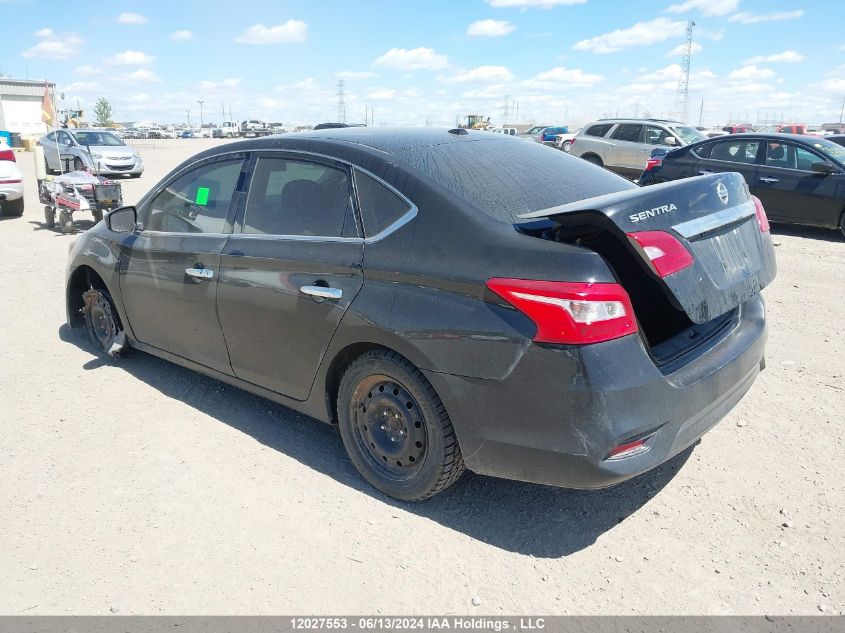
<point x="710" y="132"/>
<point x="187" y="134"/>
<point x="102" y="151"/>
<point x="532" y="131"/>
<point x="548" y="135"/>
<point x="252" y="125"/>
<point x="588" y="331"/>
<point x="783" y="128"/>
<point x="511" y="131"/>
<point x="564" y="141"/>
<point x="11" y="183"/>
<point x="738" y="128"/>
<point x="624" y="145"/>
<point x="800" y="179"/>
<point x="839" y="139"/>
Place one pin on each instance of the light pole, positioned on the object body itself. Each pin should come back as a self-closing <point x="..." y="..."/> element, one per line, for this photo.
<point x="200" y="102"/>
<point x="188" y="112"/>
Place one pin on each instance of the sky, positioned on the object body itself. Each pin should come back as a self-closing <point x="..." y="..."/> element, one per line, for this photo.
<point x="409" y="62"/>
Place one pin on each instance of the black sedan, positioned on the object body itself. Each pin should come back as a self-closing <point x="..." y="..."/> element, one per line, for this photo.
<point x="448" y="298"/>
<point x="799" y="179"/>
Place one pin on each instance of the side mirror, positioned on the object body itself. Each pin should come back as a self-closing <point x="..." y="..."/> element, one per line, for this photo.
<point x="823" y="168"/>
<point x="670" y="140"/>
<point x="122" y="220"/>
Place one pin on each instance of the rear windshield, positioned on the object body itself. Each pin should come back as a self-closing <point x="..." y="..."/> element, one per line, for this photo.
<point x="507" y="177"/>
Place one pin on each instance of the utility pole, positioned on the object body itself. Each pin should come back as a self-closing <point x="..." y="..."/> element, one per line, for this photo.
<point x="842" y="111"/>
<point x="201" y="121"/>
<point x="682" y="93"/>
<point x="341" y="102"/>
<point x="188" y="113"/>
<point x="223" y="105"/>
<point x="701" y="112"/>
<point x="506" y="110"/>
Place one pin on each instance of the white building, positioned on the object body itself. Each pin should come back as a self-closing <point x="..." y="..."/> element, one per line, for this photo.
<point x="20" y="106"/>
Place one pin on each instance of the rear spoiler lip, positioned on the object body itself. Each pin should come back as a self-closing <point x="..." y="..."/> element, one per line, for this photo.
<point x="626" y="197"/>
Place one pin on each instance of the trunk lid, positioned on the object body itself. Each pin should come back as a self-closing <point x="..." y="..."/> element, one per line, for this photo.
<point x="712" y="216"/>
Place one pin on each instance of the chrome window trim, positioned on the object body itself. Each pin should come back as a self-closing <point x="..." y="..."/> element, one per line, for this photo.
<point x="699" y="226"/>
<point x="391" y="228"/>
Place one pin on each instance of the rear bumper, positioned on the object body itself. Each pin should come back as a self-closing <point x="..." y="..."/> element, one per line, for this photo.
<point x="11" y="191"/>
<point x="560" y="412"/>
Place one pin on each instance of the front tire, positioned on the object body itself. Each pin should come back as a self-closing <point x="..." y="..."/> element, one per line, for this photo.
<point x="12" y="208"/>
<point x="395" y="428"/>
<point x="101" y="320"/>
<point x="593" y="159"/>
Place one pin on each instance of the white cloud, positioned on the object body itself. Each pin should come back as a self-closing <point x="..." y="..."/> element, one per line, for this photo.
<point x="641" y="34"/>
<point x="482" y="74"/>
<point x="833" y="86"/>
<point x="563" y="78"/>
<point x="142" y="74"/>
<point x="747" y="17"/>
<point x="80" y="86"/>
<point x="751" y="72"/>
<point x="531" y="4"/>
<point x="413" y="59"/>
<point x="225" y="83"/>
<point x="382" y="95"/>
<point x="707" y="7"/>
<point x="787" y="57"/>
<point x="182" y="35"/>
<point x="290" y="31"/>
<point x="680" y="48"/>
<point x="54" y="45"/>
<point x="309" y="83"/>
<point x="131" y="18"/>
<point x="88" y="69"/>
<point x="131" y="58"/>
<point x="490" y="28"/>
<point x="355" y="74"/>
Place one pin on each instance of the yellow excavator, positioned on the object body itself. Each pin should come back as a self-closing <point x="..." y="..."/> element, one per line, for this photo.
<point x="477" y="122"/>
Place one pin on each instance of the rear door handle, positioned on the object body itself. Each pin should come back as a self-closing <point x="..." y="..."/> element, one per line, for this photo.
<point x="704" y="172"/>
<point x="200" y="273"/>
<point x="769" y="180"/>
<point x="322" y="292"/>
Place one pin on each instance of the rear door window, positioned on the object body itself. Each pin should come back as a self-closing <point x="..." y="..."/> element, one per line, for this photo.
<point x="629" y="132"/>
<point x="598" y="130"/>
<point x="380" y="207"/>
<point x="736" y="151"/>
<point x="299" y="198"/>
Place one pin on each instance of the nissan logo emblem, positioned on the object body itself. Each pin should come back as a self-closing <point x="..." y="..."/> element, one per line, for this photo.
<point x="722" y="190"/>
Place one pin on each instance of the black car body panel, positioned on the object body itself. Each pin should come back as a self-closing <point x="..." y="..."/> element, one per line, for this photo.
<point x="796" y="194"/>
<point x="537" y="412"/>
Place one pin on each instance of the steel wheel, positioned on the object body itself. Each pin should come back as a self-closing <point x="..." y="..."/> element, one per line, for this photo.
<point x="395" y="428"/>
<point x="100" y="319"/>
<point x="388" y="427"/>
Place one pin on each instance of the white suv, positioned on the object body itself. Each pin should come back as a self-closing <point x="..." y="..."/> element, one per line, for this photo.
<point x="11" y="183"/>
<point x="624" y="145"/>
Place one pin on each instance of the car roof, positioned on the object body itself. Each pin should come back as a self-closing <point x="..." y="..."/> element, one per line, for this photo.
<point x="385" y="140"/>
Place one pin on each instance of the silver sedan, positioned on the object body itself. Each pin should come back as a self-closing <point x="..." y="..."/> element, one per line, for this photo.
<point x="104" y="152"/>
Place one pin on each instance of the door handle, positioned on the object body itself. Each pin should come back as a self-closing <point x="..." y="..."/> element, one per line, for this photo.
<point x="200" y="273"/>
<point x="704" y="172"/>
<point x="322" y="292"/>
<point x="769" y="180"/>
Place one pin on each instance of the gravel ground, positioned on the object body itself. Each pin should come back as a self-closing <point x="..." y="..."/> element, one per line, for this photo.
<point x="141" y="487"/>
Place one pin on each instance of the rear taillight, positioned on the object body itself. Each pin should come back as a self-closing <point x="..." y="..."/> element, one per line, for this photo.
<point x="760" y="212"/>
<point x="572" y="142"/>
<point x="664" y="252"/>
<point x="629" y="449"/>
<point x="10" y="182"/>
<point x="7" y="154"/>
<point x="570" y="313"/>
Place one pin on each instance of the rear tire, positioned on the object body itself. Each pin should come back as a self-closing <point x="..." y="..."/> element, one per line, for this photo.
<point x="593" y="159"/>
<point x="842" y="224"/>
<point x="12" y="208"/>
<point x="98" y="215"/>
<point x="395" y="428"/>
<point x="49" y="216"/>
<point x="566" y="146"/>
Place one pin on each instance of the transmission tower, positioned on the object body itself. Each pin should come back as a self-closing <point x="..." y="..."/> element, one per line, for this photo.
<point x="341" y="102"/>
<point x="682" y="94"/>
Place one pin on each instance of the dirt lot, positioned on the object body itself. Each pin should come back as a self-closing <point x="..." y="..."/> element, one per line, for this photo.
<point x="141" y="487"/>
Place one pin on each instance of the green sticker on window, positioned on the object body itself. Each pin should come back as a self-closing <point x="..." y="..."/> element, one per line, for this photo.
<point x="202" y="196"/>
